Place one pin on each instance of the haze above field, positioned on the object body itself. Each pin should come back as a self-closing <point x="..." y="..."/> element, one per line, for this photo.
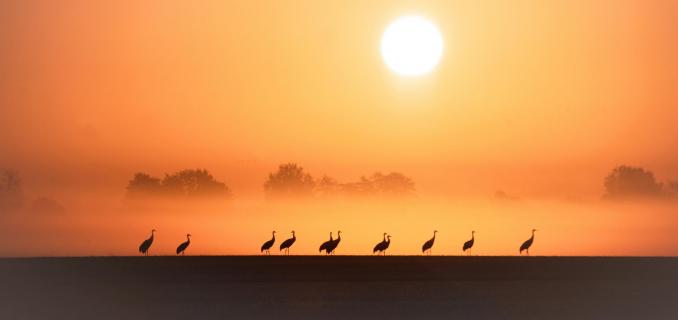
<point x="531" y="107"/>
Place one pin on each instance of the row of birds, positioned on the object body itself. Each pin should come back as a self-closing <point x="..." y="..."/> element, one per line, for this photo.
<point x="331" y="244"/>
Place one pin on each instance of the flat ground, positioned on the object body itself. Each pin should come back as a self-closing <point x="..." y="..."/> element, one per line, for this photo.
<point x="348" y="287"/>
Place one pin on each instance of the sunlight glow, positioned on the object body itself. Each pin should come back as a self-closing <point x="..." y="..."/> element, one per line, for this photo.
<point x="411" y="46"/>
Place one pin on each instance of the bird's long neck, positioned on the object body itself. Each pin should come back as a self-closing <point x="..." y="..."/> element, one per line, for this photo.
<point x="188" y="239"/>
<point x="384" y="238"/>
<point x="473" y="235"/>
<point x="389" y="240"/>
<point x="273" y="237"/>
<point x="294" y="236"/>
<point x="532" y="238"/>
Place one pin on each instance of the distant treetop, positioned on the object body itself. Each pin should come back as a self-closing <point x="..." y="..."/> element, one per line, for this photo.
<point x="631" y="182"/>
<point x="290" y="180"/>
<point x="188" y="183"/>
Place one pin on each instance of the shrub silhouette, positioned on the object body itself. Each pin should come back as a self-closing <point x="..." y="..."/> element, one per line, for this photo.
<point x="193" y="183"/>
<point x="289" y="181"/>
<point x="631" y="182"/>
<point x="188" y="183"/>
<point x="143" y="185"/>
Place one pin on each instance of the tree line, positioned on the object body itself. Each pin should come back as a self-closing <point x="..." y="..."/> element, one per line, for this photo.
<point x="290" y="180"/>
<point x="12" y="197"/>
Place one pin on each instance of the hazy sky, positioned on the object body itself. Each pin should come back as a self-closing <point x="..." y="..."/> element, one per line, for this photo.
<point x="540" y="99"/>
<point x="561" y="91"/>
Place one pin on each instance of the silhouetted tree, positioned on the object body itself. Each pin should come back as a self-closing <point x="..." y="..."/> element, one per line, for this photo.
<point x="187" y="183"/>
<point x="631" y="182"/>
<point x="289" y="181"/>
<point x="11" y="192"/>
<point x="143" y="185"/>
<point x="327" y="186"/>
<point x="361" y="188"/>
<point x="193" y="183"/>
<point x="392" y="184"/>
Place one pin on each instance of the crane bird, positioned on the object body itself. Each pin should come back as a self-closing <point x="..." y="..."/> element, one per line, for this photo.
<point x="143" y="248"/>
<point x="268" y="244"/>
<point x="182" y="247"/>
<point x="527" y="244"/>
<point x="469" y="244"/>
<point x="326" y="244"/>
<point x="333" y="245"/>
<point x="288" y="243"/>
<point x="382" y="246"/>
<point x="429" y="244"/>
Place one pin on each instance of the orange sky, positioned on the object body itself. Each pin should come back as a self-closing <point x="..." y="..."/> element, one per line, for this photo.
<point x="541" y="100"/>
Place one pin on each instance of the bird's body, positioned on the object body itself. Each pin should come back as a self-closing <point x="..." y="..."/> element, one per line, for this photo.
<point x="469" y="244"/>
<point x="333" y="245"/>
<point x="268" y="244"/>
<point x="326" y="244"/>
<point x="288" y="243"/>
<point x="146" y="245"/>
<point x="527" y="244"/>
<point x="382" y="246"/>
<point x="181" y="249"/>
<point x="429" y="244"/>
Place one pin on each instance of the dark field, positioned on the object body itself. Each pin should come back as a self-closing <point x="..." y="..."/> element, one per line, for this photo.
<point x="349" y="287"/>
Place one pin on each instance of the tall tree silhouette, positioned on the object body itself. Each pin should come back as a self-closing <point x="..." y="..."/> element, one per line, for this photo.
<point x="631" y="182"/>
<point x="289" y="180"/>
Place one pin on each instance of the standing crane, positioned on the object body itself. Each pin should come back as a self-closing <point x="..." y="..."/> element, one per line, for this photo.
<point x="382" y="246"/>
<point x="333" y="245"/>
<point x="527" y="244"/>
<point x="181" y="249"/>
<point x="143" y="248"/>
<point x="469" y="244"/>
<point x="288" y="243"/>
<point x="429" y="244"/>
<point x="326" y="244"/>
<point x="268" y="244"/>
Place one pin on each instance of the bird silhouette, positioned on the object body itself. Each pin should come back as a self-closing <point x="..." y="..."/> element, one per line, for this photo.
<point x="288" y="243"/>
<point x="268" y="244"/>
<point x="469" y="244"/>
<point x="382" y="246"/>
<point x="527" y="244"/>
<point x="143" y="248"/>
<point x="326" y="244"/>
<point x="182" y="247"/>
<point x="333" y="245"/>
<point x="429" y="244"/>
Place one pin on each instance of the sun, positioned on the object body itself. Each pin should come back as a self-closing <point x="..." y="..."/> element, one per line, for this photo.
<point x="411" y="46"/>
